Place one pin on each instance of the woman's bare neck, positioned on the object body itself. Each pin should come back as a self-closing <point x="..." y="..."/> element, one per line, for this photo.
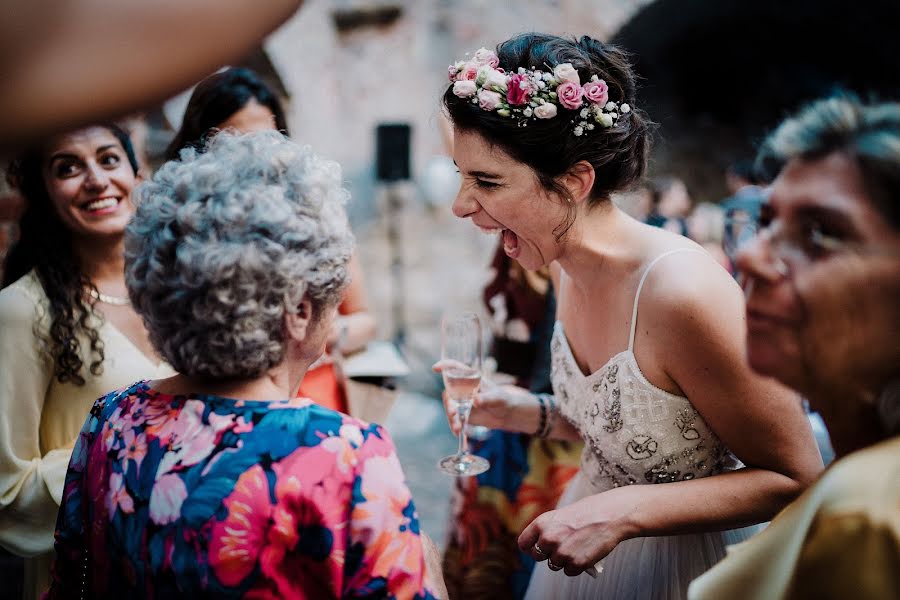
<point x="274" y="385"/>
<point x="605" y="242"/>
<point x="103" y="261"/>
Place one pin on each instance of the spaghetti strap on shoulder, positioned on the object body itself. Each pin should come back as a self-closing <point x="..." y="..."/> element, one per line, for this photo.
<point x="637" y="295"/>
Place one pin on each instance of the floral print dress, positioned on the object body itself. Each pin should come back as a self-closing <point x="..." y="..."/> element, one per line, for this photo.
<point x="204" y="496"/>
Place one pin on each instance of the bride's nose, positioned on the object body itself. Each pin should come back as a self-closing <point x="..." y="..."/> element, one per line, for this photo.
<point x="464" y="205"/>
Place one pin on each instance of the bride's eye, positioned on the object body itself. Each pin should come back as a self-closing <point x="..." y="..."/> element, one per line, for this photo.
<point x="486" y="184"/>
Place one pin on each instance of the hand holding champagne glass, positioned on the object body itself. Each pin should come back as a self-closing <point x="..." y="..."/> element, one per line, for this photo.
<point x="461" y="341"/>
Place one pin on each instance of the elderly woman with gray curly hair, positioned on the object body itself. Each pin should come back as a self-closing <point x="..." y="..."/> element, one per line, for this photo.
<point x="216" y="481"/>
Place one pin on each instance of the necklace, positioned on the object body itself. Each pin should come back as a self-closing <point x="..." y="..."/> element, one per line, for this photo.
<point x="113" y="300"/>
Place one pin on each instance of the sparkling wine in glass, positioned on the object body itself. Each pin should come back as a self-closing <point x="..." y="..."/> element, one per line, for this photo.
<point x="461" y="341"/>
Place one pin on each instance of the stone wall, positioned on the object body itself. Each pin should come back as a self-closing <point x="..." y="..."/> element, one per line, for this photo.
<point x="344" y="84"/>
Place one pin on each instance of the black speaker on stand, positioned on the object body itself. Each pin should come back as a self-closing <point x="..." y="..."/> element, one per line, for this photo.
<point x="391" y="168"/>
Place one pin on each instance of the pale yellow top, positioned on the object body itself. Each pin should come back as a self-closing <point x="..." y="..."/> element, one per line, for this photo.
<point x="40" y="419"/>
<point x="841" y="539"/>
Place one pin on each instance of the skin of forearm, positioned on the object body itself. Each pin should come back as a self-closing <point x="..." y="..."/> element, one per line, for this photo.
<point x="160" y="49"/>
<point x="725" y="501"/>
<point x="526" y="418"/>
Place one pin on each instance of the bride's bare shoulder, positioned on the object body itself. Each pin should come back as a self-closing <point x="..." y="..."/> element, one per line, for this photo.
<point x="691" y="287"/>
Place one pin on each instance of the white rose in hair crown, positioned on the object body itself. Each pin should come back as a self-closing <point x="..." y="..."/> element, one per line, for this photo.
<point x="529" y="94"/>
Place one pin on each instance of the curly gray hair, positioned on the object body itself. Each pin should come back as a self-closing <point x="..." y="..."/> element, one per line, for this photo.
<point x="227" y="241"/>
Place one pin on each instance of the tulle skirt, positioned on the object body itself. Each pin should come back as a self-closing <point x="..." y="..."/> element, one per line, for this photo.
<point x="650" y="568"/>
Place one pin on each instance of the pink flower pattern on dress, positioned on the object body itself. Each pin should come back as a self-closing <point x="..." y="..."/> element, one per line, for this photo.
<point x="133" y="447"/>
<point x="166" y="499"/>
<point x="269" y="499"/>
<point x="235" y="543"/>
<point x="117" y="496"/>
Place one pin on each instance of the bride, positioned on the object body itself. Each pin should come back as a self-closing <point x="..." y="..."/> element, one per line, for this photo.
<point x="647" y="364"/>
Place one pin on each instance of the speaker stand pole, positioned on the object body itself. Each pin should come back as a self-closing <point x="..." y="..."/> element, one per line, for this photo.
<point x="395" y="217"/>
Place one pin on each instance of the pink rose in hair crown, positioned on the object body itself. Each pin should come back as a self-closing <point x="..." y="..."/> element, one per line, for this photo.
<point x="519" y="89"/>
<point x="489" y="100"/>
<point x="596" y="92"/>
<point x="566" y="72"/>
<point x="569" y="94"/>
<point x="468" y="72"/>
<point x="464" y="89"/>
<point x="545" y="111"/>
<point x="483" y="56"/>
<point x="492" y="79"/>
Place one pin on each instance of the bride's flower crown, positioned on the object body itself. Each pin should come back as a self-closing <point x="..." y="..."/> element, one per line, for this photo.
<point x="535" y="94"/>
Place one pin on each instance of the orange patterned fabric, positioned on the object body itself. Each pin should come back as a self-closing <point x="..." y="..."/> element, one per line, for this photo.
<point x="527" y="477"/>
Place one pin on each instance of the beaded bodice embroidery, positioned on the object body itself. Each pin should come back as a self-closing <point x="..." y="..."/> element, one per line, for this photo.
<point x="634" y="432"/>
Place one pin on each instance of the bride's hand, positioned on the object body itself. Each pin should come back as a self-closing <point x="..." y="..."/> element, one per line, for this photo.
<point x="493" y="407"/>
<point x="578" y="536"/>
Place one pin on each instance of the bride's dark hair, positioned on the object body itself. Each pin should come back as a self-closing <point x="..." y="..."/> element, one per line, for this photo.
<point x="549" y="146"/>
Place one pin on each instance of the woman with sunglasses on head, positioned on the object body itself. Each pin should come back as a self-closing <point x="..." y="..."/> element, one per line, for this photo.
<point x="647" y="356"/>
<point x="822" y="281"/>
<point x="69" y="332"/>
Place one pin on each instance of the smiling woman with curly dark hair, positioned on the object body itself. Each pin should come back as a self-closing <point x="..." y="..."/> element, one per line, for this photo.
<point x="69" y="332"/>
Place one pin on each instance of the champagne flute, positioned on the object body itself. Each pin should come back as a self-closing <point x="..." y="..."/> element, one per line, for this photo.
<point x="740" y="227"/>
<point x="461" y="341"/>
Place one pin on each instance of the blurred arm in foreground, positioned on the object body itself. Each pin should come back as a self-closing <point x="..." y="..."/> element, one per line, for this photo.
<point x="149" y="51"/>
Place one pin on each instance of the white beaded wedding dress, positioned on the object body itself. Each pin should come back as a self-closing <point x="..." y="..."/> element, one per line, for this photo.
<point x="635" y="434"/>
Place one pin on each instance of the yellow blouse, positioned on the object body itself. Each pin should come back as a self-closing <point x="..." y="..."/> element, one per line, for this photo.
<point x="40" y="419"/>
<point x="841" y="539"/>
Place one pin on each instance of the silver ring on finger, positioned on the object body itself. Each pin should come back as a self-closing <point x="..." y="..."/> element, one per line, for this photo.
<point x="553" y="566"/>
<point x="539" y="551"/>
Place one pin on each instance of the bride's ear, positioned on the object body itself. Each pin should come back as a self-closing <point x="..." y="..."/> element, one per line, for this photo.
<point x="579" y="181"/>
<point x="296" y="325"/>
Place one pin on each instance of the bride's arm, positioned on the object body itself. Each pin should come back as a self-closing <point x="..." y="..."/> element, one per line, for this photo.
<point x="696" y="326"/>
<point x="512" y="408"/>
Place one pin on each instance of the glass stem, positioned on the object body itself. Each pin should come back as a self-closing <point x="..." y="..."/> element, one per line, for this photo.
<point x="464" y="409"/>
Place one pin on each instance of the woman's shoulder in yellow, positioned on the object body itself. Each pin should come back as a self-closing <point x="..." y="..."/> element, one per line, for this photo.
<point x="22" y="302"/>
<point x="865" y="481"/>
